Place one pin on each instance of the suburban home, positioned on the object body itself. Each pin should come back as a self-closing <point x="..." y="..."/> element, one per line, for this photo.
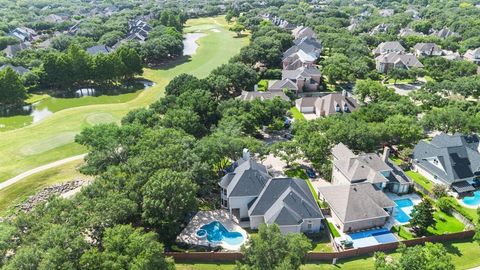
<point x="444" y="33"/>
<point x="381" y="28"/>
<point x="251" y="194"/>
<point x="12" y="50"/>
<point x="251" y="95"/>
<point x="386" y="62"/>
<point x="310" y="41"/>
<point x="405" y="32"/>
<point x="473" y="56"/>
<point x="427" y="49"/>
<point x="54" y="18"/>
<point x="94" y="50"/>
<point x="386" y="12"/>
<point x="285" y="84"/>
<point x="305" y="78"/>
<point x="307" y="45"/>
<point x="18" y="69"/>
<point x="24" y="34"/>
<point x="357" y="206"/>
<point x="297" y="60"/>
<point x="452" y="160"/>
<point x="327" y="105"/>
<point x="388" y="47"/>
<point x="372" y="168"/>
<point x="300" y="32"/>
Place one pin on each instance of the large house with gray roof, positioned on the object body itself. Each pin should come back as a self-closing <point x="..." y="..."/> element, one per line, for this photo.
<point x="327" y="105"/>
<point x="388" y="47"/>
<point x="251" y="194"/>
<point x="452" y="160"/>
<point x="427" y="49"/>
<point x="380" y="171"/>
<point x="393" y="60"/>
<point x="357" y="206"/>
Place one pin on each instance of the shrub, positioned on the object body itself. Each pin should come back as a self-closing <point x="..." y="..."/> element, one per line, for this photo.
<point x="263" y="85"/>
<point x="272" y="74"/>
<point x="444" y="205"/>
<point x="439" y="191"/>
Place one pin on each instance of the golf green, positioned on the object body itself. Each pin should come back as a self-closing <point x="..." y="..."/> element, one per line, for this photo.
<point x="52" y="139"/>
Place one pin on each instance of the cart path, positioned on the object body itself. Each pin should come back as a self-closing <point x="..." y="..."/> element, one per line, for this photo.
<point x="42" y="168"/>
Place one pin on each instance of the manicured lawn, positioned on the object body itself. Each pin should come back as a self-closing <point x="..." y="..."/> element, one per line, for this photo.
<point x="445" y="224"/>
<point x="15" y="194"/>
<point x="297" y="115"/>
<point x="464" y="256"/>
<point x="297" y="173"/>
<point x="424" y="182"/>
<point x="402" y="232"/>
<point x="466" y="212"/>
<point x="55" y="132"/>
<point x="322" y="243"/>
<point x="333" y="230"/>
<point x="396" y="160"/>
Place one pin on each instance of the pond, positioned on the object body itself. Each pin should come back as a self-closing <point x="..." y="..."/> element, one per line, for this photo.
<point x="46" y="107"/>
<point x="190" y="44"/>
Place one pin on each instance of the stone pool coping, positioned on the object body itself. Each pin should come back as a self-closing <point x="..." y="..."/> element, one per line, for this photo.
<point x="189" y="233"/>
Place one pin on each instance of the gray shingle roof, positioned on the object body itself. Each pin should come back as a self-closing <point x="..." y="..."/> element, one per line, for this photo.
<point x="450" y="157"/>
<point x="389" y="46"/>
<point x="283" y="84"/>
<point x="19" y="70"/>
<point x="99" y="49"/>
<point x="286" y="201"/>
<point x="248" y="179"/>
<point x="356" y="202"/>
<point x="302" y="72"/>
<point x="249" y="96"/>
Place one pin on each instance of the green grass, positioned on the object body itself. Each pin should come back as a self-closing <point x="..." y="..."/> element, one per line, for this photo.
<point x="420" y="179"/>
<point x="469" y="213"/>
<point x="322" y="243"/>
<point x="445" y="224"/>
<point x="215" y="48"/>
<point x="464" y="256"/>
<point x="402" y="232"/>
<point x="15" y="194"/>
<point x="396" y="160"/>
<point x="297" y="172"/>
<point x="297" y="115"/>
<point x="333" y="230"/>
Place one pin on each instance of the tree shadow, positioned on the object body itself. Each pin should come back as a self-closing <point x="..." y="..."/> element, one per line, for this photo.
<point x="453" y="249"/>
<point x="172" y="63"/>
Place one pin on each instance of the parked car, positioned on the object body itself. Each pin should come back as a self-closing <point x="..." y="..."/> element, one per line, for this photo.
<point x="310" y="173"/>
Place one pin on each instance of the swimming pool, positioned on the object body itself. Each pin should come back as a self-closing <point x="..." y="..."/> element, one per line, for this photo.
<point x="472" y="200"/>
<point x="216" y="232"/>
<point x="372" y="237"/>
<point x="403" y="209"/>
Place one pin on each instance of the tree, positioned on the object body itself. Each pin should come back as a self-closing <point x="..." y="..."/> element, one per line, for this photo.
<point x="439" y="191"/>
<point x="184" y="119"/>
<point x="287" y="151"/>
<point x="12" y="90"/>
<point x="127" y="248"/>
<point x="422" y="217"/>
<point x="337" y="68"/>
<point x="403" y="129"/>
<point x="444" y="205"/>
<point x="448" y="119"/>
<point x="374" y="90"/>
<point x="269" y="249"/>
<point x="477" y="228"/>
<point x="398" y="74"/>
<point x="168" y="197"/>
<point x="183" y="83"/>
<point x="428" y="257"/>
<point x="238" y="28"/>
<point x="240" y="77"/>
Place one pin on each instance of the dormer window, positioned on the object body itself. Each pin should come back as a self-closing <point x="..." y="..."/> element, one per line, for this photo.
<point x="337" y="108"/>
<point x="345" y="108"/>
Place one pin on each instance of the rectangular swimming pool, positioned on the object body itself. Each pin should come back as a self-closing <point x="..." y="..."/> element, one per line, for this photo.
<point x="372" y="237"/>
<point x="403" y="209"/>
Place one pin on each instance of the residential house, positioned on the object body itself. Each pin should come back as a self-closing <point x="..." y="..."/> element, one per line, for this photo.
<point x="308" y="45"/>
<point x="444" y="33"/>
<point x="473" y="55"/>
<point x="24" y="34"/>
<point x="18" y="69"/>
<point x="12" y="50"/>
<point x="451" y="55"/>
<point x="386" y="62"/>
<point x="327" y="105"/>
<point x="305" y="78"/>
<point x="94" y="50"/>
<point x="452" y="160"/>
<point x="381" y="28"/>
<point x="285" y="84"/>
<point x="414" y="13"/>
<point x="54" y="18"/>
<point x="298" y="59"/>
<point x="387" y="12"/>
<point x="251" y="194"/>
<point x="251" y="95"/>
<point x="300" y="32"/>
<point x="388" y="47"/>
<point x="372" y="168"/>
<point x="358" y="206"/>
<point x="427" y="49"/>
<point x="405" y="32"/>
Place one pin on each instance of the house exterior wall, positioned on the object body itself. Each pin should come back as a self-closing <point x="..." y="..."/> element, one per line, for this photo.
<point x="306" y="109"/>
<point x="240" y="203"/>
<point x="289" y="229"/>
<point x="364" y="224"/>
<point x="255" y="221"/>
<point x="316" y="225"/>
<point x="428" y="175"/>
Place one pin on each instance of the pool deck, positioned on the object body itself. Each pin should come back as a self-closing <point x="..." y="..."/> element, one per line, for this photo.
<point x="189" y="234"/>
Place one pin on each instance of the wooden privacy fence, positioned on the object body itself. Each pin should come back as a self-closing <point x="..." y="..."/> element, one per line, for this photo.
<point x="321" y="256"/>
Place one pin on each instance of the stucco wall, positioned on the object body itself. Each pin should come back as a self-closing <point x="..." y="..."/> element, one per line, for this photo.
<point x="241" y="203"/>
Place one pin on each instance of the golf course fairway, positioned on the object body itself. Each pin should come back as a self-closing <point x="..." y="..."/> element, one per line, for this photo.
<point x="53" y="138"/>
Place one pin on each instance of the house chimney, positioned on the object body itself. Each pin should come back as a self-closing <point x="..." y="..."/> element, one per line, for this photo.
<point x="386" y="153"/>
<point x="246" y="154"/>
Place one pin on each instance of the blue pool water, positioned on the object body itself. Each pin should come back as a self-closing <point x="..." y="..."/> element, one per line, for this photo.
<point x="400" y="213"/>
<point x="473" y="200"/>
<point x="369" y="233"/>
<point x="216" y="232"/>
